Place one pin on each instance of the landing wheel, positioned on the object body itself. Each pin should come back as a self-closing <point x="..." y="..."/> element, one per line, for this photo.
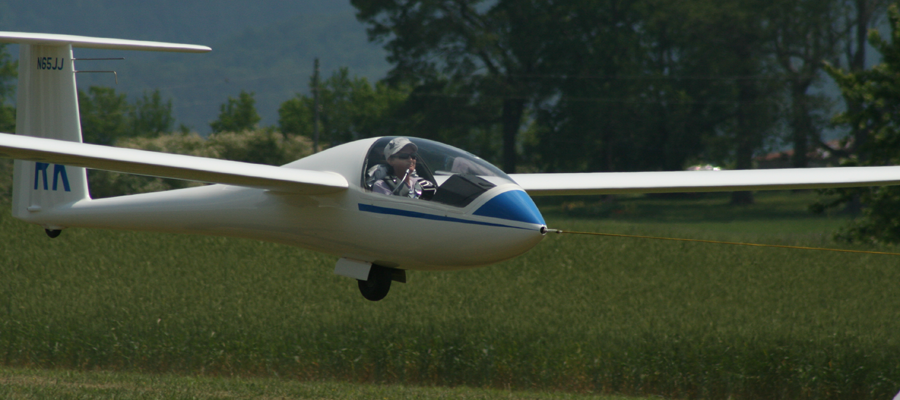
<point x="378" y="285"/>
<point x="53" y="233"/>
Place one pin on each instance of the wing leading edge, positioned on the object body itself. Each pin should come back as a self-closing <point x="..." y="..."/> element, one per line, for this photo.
<point x="142" y="162"/>
<point x="705" y="181"/>
<point x="97" y="43"/>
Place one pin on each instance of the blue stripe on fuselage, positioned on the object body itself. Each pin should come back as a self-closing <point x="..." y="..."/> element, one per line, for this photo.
<point x="413" y="214"/>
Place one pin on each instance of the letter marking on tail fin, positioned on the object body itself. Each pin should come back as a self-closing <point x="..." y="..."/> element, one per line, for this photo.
<point x="59" y="172"/>
<point x="40" y="169"/>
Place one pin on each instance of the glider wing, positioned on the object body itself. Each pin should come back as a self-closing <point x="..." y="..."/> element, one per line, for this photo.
<point x="97" y="43"/>
<point x="142" y="162"/>
<point x="705" y="181"/>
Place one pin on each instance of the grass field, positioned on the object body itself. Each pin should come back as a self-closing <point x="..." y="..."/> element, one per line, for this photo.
<point x="577" y="314"/>
<point x="23" y="383"/>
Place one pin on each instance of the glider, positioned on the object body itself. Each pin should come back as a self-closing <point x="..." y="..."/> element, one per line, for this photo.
<point x="477" y="216"/>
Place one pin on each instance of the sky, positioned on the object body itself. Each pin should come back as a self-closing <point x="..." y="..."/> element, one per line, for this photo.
<point x="266" y="47"/>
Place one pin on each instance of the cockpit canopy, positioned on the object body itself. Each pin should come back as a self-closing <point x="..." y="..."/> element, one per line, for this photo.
<point x="459" y="176"/>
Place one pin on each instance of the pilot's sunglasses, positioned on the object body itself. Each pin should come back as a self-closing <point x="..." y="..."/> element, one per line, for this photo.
<point x="404" y="156"/>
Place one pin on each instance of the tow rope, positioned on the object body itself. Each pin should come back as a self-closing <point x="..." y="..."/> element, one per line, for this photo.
<point x="721" y="242"/>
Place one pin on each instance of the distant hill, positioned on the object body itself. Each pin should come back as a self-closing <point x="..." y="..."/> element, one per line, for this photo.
<point x="265" y="46"/>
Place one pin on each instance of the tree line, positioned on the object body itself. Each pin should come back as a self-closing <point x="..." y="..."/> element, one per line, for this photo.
<point x="626" y="85"/>
<point x="581" y="86"/>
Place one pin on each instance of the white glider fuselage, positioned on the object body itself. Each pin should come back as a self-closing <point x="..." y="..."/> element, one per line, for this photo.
<point x="355" y="223"/>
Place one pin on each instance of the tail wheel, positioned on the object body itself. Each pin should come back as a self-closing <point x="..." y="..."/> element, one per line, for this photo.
<point x="378" y="285"/>
<point x="53" y="233"/>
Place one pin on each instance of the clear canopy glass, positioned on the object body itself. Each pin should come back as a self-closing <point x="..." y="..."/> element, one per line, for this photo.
<point x="439" y="163"/>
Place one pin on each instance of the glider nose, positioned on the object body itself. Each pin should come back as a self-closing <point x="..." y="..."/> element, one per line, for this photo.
<point x="513" y="205"/>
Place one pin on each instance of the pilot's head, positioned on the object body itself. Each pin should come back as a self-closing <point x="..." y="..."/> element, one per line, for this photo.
<point x="397" y="144"/>
<point x="400" y="153"/>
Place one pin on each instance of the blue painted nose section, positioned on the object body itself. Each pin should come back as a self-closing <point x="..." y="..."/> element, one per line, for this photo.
<point x="513" y="205"/>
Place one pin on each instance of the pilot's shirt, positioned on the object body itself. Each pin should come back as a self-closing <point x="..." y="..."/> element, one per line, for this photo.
<point x="381" y="179"/>
<point x="392" y="184"/>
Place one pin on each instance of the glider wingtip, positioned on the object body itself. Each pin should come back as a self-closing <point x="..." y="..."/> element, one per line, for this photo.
<point x="97" y="42"/>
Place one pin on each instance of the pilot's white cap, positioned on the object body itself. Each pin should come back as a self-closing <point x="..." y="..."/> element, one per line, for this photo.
<point x="396" y="144"/>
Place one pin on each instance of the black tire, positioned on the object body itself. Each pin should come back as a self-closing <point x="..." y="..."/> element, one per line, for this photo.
<point x="378" y="285"/>
<point x="53" y="233"/>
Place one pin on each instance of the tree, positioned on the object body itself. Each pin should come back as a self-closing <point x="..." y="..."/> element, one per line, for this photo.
<point x="450" y="112"/>
<point x="654" y="85"/>
<point x="237" y="114"/>
<point x="107" y="116"/>
<point x="150" y="116"/>
<point x="731" y="43"/>
<point x="296" y="115"/>
<point x="805" y="36"/>
<point x="104" y="115"/>
<point x="877" y="92"/>
<point x="688" y="88"/>
<point x="262" y="146"/>
<point x="615" y="99"/>
<point x="489" y="50"/>
<point x="859" y="17"/>
<point x="8" y="73"/>
<point x="351" y="109"/>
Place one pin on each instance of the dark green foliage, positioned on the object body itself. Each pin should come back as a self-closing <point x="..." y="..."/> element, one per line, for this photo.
<point x="621" y="105"/>
<point x="489" y="52"/>
<point x="6" y="179"/>
<point x="8" y="72"/>
<point x="261" y="146"/>
<point x="731" y="40"/>
<point x="804" y="36"/>
<point x="150" y="116"/>
<point x="7" y="118"/>
<point x="107" y="116"/>
<point x="598" y="86"/>
<point x="237" y="114"/>
<point x="104" y="115"/>
<point x="296" y="116"/>
<point x="349" y="109"/>
<point x="877" y="91"/>
<point x="452" y="112"/>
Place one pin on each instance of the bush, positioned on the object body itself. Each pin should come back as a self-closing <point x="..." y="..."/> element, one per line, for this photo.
<point x="259" y="146"/>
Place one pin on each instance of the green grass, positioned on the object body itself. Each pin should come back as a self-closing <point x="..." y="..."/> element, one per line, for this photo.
<point x="21" y="383"/>
<point x="577" y="314"/>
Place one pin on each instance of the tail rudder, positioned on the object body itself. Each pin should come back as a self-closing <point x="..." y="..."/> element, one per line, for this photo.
<point x="47" y="106"/>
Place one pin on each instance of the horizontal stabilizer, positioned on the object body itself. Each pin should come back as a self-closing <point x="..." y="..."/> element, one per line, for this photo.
<point x="97" y="43"/>
<point x="594" y="183"/>
<point x="164" y="165"/>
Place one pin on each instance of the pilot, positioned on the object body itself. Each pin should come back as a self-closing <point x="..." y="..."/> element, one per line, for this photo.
<point x="398" y="177"/>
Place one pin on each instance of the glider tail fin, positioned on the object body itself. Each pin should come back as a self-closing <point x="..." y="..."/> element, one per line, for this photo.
<point x="47" y="106"/>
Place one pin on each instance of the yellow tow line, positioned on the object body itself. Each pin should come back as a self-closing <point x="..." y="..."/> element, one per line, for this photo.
<point x="721" y="242"/>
